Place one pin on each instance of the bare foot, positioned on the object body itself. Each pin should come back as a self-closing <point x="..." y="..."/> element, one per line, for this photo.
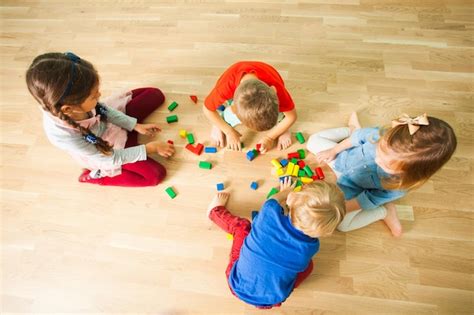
<point x="220" y="199"/>
<point x="354" y="122"/>
<point x="284" y="141"/>
<point x="217" y="137"/>
<point x="392" y="221"/>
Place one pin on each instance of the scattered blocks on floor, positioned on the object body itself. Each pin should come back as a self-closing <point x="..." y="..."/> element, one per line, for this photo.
<point x="170" y="192"/>
<point x="302" y="164"/>
<point x="308" y="171"/>
<point x="289" y="169"/>
<point x="210" y="150"/>
<point x="301" y="173"/>
<point x="172" y="106"/>
<point x="296" y="169"/>
<point x="300" y="137"/>
<point x="276" y="163"/>
<point x="302" y="153"/>
<point x="254" y="185"/>
<point x="320" y="173"/>
<point x="272" y="192"/>
<point x="205" y="165"/>
<point x="183" y="133"/>
<point x="171" y="119"/>
<point x="252" y="154"/>
<point x="193" y="98"/>
<point x="220" y="186"/>
<point x="284" y="162"/>
<point x="306" y="180"/>
<point x="293" y="155"/>
<point x="190" y="138"/>
<point x="280" y="171"/>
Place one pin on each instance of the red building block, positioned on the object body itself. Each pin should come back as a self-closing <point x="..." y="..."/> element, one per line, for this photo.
<point x="170" y="142"/>
<point x="193" y="98"/>
<point x="195" y="149"/>
<point x="293" y="155"/>
<point x="301" y="164"/>
<point x="320" y="173"/>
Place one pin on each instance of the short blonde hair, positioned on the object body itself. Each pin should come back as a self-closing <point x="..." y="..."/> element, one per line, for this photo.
<point x="256" y="105"/>
<point x="317" y="209"/>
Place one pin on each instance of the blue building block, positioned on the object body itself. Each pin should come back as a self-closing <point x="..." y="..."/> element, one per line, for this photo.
<point x="210" y="149"/>
<point x="220" y="186"/>
<point x="221" y="108"/>
<point x="254" y="214"/>
<point x="284" y="162"/>
<point x="254" y="185"/>
<point x="252" y="154"/>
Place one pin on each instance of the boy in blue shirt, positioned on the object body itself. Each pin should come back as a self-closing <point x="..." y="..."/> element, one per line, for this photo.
<point x="273" y="256"/>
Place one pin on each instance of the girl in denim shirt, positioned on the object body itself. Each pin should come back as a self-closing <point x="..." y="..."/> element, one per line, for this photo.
<point x="377" y="166"/>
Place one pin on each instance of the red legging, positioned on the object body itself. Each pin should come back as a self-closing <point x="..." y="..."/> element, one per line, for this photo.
<point x="142" y="173"/>
<point x="240" y="228"/>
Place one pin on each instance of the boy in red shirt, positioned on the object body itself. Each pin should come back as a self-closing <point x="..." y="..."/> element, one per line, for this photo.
<point x="259" y="100"/>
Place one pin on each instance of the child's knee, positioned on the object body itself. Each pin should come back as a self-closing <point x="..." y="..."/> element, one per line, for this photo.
<point x="313" y="143"/>
<point x="157" y="95"/>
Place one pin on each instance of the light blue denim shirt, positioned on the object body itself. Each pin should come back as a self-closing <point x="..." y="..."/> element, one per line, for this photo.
<point x="361" y="176"/>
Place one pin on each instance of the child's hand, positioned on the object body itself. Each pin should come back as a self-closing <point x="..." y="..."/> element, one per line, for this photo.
<point x="286" y="184"/>
<point x="266" y="144"/>
<point x="326" y="156"/>
<point x="233" y="140"/>
<point x="161" y="148"/>
<point x="147" y="129"/>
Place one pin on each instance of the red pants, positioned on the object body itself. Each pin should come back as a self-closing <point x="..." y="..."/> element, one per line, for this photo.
<point x="142" y="173"/>
<point x="240" y="228"/>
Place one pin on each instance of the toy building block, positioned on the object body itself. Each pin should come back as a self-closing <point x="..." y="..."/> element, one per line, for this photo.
<point x="254" y="214"/>
<point x="272" y="192"/>
<point x="284" y="162"/>
<point x="302" y="153"/>
<point x="300" y="137"/>
<point x="190" y="138"/>
<point x="297" y="188"/>
<point x="205" y="165"/>
<point x="315" y="177"/>
<point x="308" y="171"/>
<point x="306" y="180"/>
<point x="170" y="192"/>
<point x="296" y="169"/>
<point x="195" y="149"/>
<point x="241" y="145"/>
<point x="293" y="155"/>
<point x="221" y="108"/>
<point x="301" y="163"/>
<point x="254" y="185"/>
<point x="289" y="169"/>
<point x="320" y="173"/>
<point x="301" y="173"/>
<point x="230" y="237"/>
<point x="259" y="145"/>
<point x="170" y="142"/>
<point x="171" y="119"/>
<point x="252" y="154"/>
<point x="210" y="149"/>
<point x="183" y="133"/>
<point x="172" y="106"/>
<point x="220" y="186"/>
<point x="194" y="98"/>
<point x="276" y="163"/>
<point x="294" y="160"/>
<point x="280" y="171"/>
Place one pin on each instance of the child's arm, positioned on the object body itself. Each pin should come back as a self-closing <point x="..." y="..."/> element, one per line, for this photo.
<point x="233" y="137"/>
<point x="268" y="140"/>
<point x="328" y="155"/>
<point x="286" y="186"/>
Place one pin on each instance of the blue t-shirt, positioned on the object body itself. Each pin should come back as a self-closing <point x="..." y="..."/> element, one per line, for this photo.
<point x="271" y="257"/>
<point x="361" y="176"/>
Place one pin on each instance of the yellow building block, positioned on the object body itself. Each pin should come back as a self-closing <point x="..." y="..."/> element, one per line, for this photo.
<point x="306" y="180"/>
<point x="183" y="133"/>
<point x="276" y="163"/>
<point x="296" y="169"/>
<point x="280" y="171"/>
<point x="297" y="188"/>
<point x="289" y="169"/>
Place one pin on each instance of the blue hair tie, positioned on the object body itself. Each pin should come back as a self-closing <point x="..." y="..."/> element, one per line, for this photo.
<point x="91" y="138"/>
<point x="101" y="110"/>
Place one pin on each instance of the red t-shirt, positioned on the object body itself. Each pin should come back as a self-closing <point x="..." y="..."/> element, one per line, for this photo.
<point x="230" y="79"/>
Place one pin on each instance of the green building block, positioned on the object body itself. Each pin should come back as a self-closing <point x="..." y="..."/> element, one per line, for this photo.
<point x="299" y="183"/>
<point x="205" y="165"/>
<point x="190" y="138"/>
<point x="300" y="137"/>
<point x="301" y="173"/>
<point x="172" y="106"/>
<point x="294" y="160"/>
<point x="170" y="192"/>
<point x="302" y="153"/>
<point x="308" y="171"/>
<point x="272" y="192"/>
<point x="172" y="119"/>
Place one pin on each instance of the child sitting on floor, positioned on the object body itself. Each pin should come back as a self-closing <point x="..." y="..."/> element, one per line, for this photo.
<point x="273" y="256"/>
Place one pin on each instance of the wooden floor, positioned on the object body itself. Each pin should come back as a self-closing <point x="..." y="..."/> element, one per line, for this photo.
<point x="78" y="248"/>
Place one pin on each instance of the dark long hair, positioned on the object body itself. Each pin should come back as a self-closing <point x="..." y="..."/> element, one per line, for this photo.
<point x="52" y="83"/>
